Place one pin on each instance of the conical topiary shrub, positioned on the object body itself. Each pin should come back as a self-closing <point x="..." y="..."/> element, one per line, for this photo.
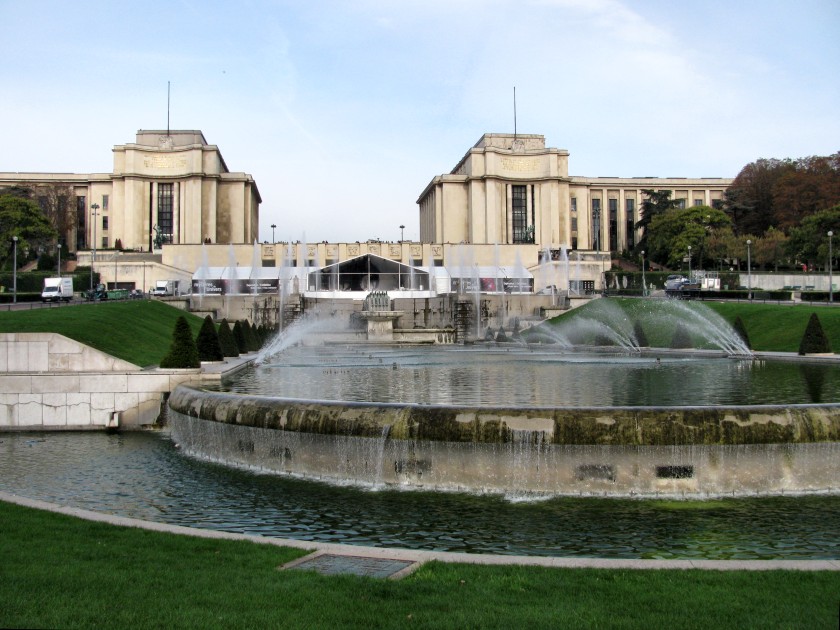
<point x="226" y="340"/>
<point x="641" y="337"/>
<point x="251" y="334"/>
<point x="182" y="353"/>
<point x="814" y="340"/>
<point x="741" y="331"/>
<point x="681" y="338"/>
<point x="240" y="338"/>
<point x="207" y="342"/>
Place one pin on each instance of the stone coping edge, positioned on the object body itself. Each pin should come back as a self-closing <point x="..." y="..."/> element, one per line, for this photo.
<point x="422" y="556"/>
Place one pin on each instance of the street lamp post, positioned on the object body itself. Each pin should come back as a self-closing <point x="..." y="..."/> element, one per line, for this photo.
<point x="273" y="225"/>
<point x="402" y="234"/>
<point x="689" y="262"/>
<point x="14" y="270"/>
<point x="58" y="249"/>
<point x="94" y="207"/>
<point x="749" y="271"/>
<point x="830" y="270"/>
<point x="644" y="285"/>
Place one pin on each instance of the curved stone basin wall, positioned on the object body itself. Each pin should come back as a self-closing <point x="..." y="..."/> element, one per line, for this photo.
<point x="702" y="451"/>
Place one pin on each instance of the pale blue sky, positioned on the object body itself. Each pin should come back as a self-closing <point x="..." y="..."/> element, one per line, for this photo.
<point x="344" y="111"/>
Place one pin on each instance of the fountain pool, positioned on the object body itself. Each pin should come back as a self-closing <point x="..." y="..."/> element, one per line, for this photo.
<point x="520" y="421"/>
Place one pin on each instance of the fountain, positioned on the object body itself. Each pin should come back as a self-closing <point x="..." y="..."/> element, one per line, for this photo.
<point x="542" y="419"/>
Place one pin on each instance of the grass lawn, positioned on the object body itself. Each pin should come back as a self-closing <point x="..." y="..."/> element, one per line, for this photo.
<point x="59" y="571"/>
<point x="139" y="331"/>
<point x="771" y="327"/>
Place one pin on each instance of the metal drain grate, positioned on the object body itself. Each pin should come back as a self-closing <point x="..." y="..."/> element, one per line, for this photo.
<point x="331" y="564"/>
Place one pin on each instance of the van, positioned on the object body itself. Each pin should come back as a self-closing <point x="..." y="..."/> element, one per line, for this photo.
<point x="56" y="289"/>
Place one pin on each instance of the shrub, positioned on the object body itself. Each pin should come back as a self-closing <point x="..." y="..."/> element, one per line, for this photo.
<point x="182" y="353"/>
<point x="681" y="338"/>
<point x="641" y="337"/>
<point x="251" y="336"/>
<point x="814" y="341"/>
<point x="226" y="340"/>
<point x="207" y="342"/>
<point x="741" y="331"/>
<point x="239" y="337"/>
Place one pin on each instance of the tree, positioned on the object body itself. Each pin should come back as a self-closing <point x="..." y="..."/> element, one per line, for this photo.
<point x="207" y="342"/>
<point x="770" y="249"/>
<point x="741" y="331"/>
<point x="22" y="218"/>
<point x="226" y="340"/>
<point x="681" y="338"/>
<point x="240" y="338"/>
<point x="811" y="186"/>
<point x="639" y="333"/>
<point x="58" y="203"/>
<point x="182" y="352"/>
<point x="656" y="202"/>
<point x="250" y="336"/>
<point x="814" y="341"/>
<point x="671" y="233"/>
<point x="749" y="199"/>
<point x="809" y="242"/>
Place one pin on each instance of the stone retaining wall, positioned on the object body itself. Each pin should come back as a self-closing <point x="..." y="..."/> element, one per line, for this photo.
<point x="48" y="381"/>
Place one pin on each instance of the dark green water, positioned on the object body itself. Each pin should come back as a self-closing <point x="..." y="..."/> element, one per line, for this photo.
<point x="142" y="475"/>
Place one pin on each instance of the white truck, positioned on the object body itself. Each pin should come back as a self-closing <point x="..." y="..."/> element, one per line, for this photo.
<point x="163" y="288"/>
<point x="56" y="289"/>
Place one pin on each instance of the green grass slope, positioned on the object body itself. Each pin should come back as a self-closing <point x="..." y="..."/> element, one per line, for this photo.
<point x="139" y="331"/>
<point x="771" y="327"/>
<point x="62" y="572"/>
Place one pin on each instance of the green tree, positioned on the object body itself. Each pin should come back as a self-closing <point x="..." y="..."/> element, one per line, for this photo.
<point x="656" y="202"/>
<point x="741" y="331"/>
<point x="809" y="242"/>
<point x="182" y="352"/>
<point x="681" y="338"/>
<point x="250" y="336"/>
<point x="639" y="333"/>
<point x="770" y="249"/>
<point x="814" y="341"/>
<point x="207" y="342"/>
<point x="226" y="340"/>
<point x="671" y="233"/>
<point x="239" y="337"/>
<point x="22" y="218"/>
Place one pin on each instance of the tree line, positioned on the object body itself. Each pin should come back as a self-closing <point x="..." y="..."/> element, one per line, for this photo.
<point x="784" y="208"/>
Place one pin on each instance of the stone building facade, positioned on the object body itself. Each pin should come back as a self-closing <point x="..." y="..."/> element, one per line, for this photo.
<point x="168" y="187"/>
<point x="512" y="189"/>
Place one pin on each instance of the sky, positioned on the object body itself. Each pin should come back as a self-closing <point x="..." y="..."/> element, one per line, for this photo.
<point x="343" y="112"/>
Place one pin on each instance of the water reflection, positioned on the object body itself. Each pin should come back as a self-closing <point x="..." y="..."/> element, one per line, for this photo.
<point x="143" y="475"/>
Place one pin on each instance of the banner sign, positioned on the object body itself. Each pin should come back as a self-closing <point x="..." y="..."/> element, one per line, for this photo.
<point x="239" y="286"/>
